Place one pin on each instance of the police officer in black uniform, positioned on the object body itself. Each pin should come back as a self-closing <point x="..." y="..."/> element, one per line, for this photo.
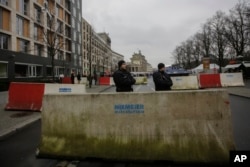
<point x="162" y="80"/>
<point x="123" y="78"/>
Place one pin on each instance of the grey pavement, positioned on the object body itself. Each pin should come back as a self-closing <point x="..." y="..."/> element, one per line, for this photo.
<point x="12" y="121"/>
<point x="240" y="91"/>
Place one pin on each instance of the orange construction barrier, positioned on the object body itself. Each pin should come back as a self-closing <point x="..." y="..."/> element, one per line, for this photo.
<point x="104" y="81"/>
<point x="209" y="80"/>
<point x="25" y="96"/>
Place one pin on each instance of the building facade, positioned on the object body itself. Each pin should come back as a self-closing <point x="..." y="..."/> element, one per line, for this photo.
<point x="138" y="63"/>
<point x="116" y="57"/>
<point x="98" y="57"/>
<point x="37" y="36"/>
<point x="149" y="68"/>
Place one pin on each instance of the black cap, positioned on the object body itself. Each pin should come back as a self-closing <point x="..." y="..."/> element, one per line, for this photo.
<point x="160" y="66"/>
<point x="120" y="63"/>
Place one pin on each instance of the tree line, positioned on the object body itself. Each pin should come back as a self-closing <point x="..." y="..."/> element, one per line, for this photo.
<point x="222" y="37"/>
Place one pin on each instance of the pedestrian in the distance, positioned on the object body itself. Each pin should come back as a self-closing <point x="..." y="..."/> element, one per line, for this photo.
<point x="162" y="80"/>
<point x="123" y="78"/>
<point x="95" y="78"/>
<point x="72" y="77"/>
<point x="78" y="78"/>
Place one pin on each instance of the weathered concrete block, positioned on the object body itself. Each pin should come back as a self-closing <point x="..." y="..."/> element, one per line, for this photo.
<point x="187" y="126"/>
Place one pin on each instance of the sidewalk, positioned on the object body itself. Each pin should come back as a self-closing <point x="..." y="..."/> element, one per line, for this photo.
<point x="239" y="91"/>
<point x="12" y="121"/>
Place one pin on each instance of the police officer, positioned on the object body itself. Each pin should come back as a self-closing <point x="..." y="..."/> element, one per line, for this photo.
<point x="123" y="79"/>
<point x="162" y="80"/>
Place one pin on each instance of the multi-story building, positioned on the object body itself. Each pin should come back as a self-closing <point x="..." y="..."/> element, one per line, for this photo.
<point x="76" y="37"/>
<point x="86" y="46"/>
<point x="97" y="53"/>
<point x="116" y="57"/>
<point x="37" y="36"/>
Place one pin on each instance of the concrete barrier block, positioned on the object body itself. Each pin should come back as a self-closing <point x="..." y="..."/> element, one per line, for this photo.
<point x="186" y="126"/>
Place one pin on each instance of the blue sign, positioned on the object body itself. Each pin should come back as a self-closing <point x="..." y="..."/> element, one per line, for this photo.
<point x="64" y="89"/>
<point x="129" y="108"/>
<point x="230" y="76"/>
<point x="178" y="79"/>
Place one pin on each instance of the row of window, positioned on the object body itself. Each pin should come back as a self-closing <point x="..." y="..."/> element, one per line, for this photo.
<point x="23" y="23"/>
<point x="4" y="41"/>
<point x="24" y="70"/>
<point x="4" y="2"/>
<point x="22" y="28"/>
<point x="22" y="5"/>
<point x="23" y="46"/>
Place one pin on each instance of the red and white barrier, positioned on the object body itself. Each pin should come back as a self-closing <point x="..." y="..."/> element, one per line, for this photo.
<point x="104" y="81"/>
<point x="112" y="81"/>
<point x="66" y="80"/>
<point x="209" y="80"/>
<point x="28" y="96"/>
<point x="25" y="96"/>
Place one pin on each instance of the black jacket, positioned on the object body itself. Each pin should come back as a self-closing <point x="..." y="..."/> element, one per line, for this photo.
<point x="123" y="81"/>
<point x="162" y="81"/>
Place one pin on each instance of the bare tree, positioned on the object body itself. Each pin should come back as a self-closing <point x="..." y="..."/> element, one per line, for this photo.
<point x="206" y="40"/>
<point x="187" y="46"/>
<point x="236" y="29"/>
<point x="183" y="54"/>
<point x="197" y="48"/>
<point x="179" y="55"/>
<point x="220" y="42"/>
<point x="53" y="38"/>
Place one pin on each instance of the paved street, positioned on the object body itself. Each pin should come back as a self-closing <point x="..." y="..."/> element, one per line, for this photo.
<point x="18" y="149"/>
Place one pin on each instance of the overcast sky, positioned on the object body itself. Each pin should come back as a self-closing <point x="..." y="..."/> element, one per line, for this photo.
<point x="155" y="27"/>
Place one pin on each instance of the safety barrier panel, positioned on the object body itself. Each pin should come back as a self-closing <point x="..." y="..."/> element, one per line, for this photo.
<point x="185" y="82"/>
<point x="104" y="81"/>
<point x="66" y="80"/>
<point x="209" y="80"/>
<point x="231" y="79"/>
<point x="84" y="80"/>
<point x="112" y="81"/>
<point x="141" y="80"/>
<point x="181" y="126"/>
<point x="28" y="96"/>
<point x="25" y="96"/>
<point x="65" y="89"/>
